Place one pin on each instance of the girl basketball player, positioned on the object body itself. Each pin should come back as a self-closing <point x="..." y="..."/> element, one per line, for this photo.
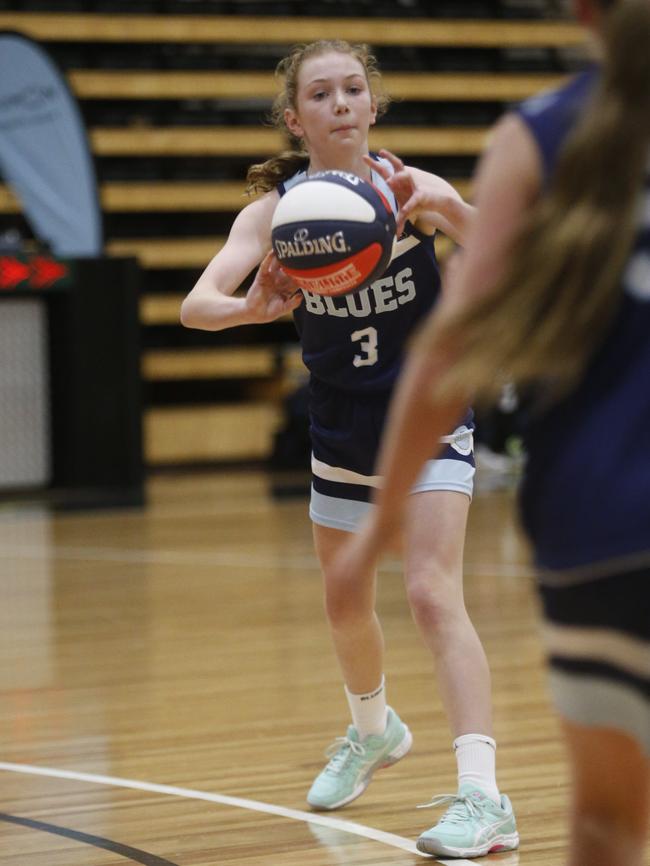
<point x="553" y="290"/>
<point x="353" y="348"/>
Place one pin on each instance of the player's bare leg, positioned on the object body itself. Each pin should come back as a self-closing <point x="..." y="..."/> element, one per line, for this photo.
<point x="377" y="736"/>
<point x="479" y="819"/>
<point x="350" y="607"/>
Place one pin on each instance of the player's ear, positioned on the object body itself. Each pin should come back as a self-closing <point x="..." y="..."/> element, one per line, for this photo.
<point x="373" y="111"/>
<point x="292" y="123"/>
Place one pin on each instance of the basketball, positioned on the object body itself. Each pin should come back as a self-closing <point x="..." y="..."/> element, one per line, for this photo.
<point x="333" y="233"/>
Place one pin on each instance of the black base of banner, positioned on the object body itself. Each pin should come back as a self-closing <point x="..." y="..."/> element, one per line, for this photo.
<point x="75" y="499"/>
<point x="95" y="423"/>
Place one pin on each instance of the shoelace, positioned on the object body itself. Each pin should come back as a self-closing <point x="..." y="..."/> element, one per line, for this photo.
<point x="459" y="809"/>
<point x="340" y="751"/>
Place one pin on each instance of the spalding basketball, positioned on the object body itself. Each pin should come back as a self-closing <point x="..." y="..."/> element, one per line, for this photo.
<point x="333" y="233"/>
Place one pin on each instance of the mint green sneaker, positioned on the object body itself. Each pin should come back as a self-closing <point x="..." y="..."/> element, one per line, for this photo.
<point x="473" y="825"/>
<point x="352" y="763"/>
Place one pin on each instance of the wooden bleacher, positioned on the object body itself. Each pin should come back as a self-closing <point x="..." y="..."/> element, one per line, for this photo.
<point x="260" y="30"/>
<point x="413" y="86"/>
<point x="172" y="145"/>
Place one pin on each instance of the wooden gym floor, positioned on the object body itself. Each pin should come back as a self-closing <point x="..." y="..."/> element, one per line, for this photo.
<point x="167" y="688"/>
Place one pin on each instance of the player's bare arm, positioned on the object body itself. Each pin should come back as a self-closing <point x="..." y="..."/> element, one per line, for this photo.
<point x="212" y="306"/>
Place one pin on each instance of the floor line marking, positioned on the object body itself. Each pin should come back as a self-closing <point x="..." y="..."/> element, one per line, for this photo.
<point x="238" y="802"/>
<point x="229" y="559"/>
<point x="135" y="855"/>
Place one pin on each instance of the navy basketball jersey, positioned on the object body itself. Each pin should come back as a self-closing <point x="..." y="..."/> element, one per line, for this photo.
<point x="586" y="496"/>
<point x="357" y="342"/>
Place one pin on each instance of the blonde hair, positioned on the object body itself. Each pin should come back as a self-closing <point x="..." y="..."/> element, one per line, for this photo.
<point x="551" y="311"/>
<point x="265" y="176"/>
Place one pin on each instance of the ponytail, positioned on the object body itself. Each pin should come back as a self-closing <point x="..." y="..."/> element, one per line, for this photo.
<point x="265" y="176"/>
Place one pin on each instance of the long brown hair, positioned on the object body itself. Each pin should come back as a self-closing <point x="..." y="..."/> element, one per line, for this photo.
<point x="266" y="175"/>
<point x="551" y="311"/>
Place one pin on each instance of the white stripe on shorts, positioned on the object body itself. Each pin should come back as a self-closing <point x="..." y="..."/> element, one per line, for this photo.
<point x="603" y="645"/>
<point x="434" y="474"/>
<point x="456" y="475"/>
<point x="343" y="476"/>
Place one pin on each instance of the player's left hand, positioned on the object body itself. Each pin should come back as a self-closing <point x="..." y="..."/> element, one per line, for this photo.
<point x="410" y="198"/>
<point x="424" y="199"/>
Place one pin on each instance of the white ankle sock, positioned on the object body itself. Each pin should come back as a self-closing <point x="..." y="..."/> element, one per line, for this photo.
<point x="369" y="712"/>
<point x="476" y="758"/>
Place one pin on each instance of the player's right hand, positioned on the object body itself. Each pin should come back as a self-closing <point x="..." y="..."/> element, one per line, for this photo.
<point x="272" y="293"/>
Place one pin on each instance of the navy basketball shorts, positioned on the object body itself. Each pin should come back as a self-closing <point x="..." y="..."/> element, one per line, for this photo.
<point x="597" y="637"/>
<point x="346" y="432"/>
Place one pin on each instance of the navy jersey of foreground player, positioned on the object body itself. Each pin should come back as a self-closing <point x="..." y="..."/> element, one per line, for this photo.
<point x="586" y="499"/>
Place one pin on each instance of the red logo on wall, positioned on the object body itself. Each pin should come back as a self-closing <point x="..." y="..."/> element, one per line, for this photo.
<point x="40" y="272"/>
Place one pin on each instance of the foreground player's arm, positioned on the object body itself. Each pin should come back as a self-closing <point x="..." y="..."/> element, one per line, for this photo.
<point x="414" y="427"/>
<point x="417" y="420"/>
<point x="211" y="306"/>
<point x="416" y="423"/>
<point x="507" y="185"/>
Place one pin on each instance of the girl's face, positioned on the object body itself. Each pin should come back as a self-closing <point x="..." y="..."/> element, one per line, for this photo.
<point x="334" y="106"/>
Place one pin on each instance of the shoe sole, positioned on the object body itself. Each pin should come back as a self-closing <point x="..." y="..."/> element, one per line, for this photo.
<point x="504" y="842"/>
<point x="402" y="749"/>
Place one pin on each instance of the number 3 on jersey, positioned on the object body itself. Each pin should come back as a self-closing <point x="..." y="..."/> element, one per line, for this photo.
<point x="367" y="339"/>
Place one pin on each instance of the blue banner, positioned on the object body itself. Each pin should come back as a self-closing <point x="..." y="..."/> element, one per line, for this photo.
<point x="44" y="153"/>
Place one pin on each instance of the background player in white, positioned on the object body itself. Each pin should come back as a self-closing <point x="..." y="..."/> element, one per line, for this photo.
<point x="553" y="292"/>
<point x="330" y="99"/>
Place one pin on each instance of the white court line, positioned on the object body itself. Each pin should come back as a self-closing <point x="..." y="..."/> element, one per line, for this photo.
<point x="222" y="799"/>
<point x="222" y="558"/>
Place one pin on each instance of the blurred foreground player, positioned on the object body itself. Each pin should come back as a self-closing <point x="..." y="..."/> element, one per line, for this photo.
<point x="553" y="293"/>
